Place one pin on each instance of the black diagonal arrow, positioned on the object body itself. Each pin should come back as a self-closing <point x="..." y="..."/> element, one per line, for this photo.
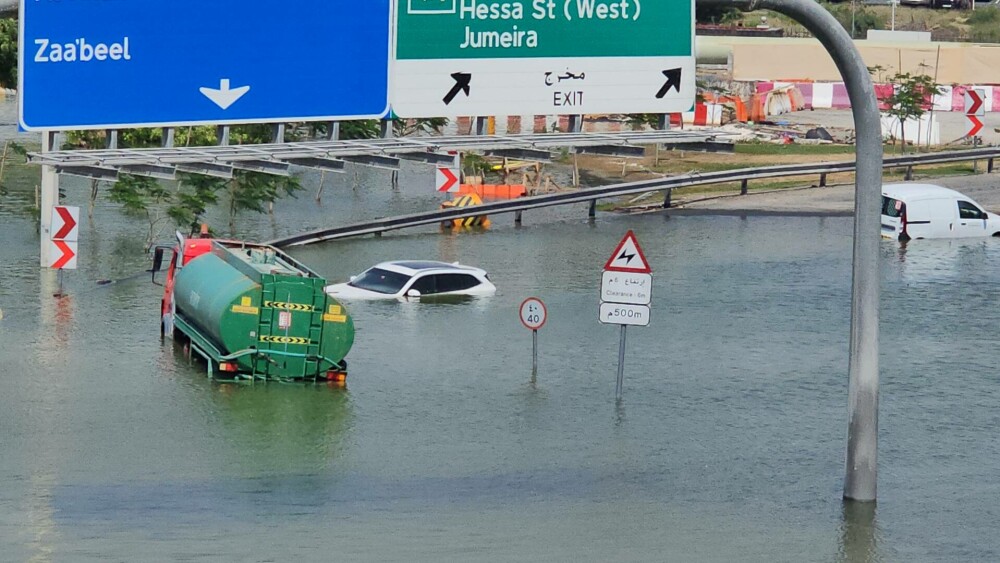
<point x="673" y="81"/>
<point x="462" y="82"/>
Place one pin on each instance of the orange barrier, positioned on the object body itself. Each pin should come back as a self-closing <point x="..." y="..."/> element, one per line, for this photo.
<point x="499" y="191"/>
<point x="741" y="109"/>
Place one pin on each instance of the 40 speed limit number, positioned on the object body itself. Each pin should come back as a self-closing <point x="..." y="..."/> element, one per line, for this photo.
<point x="533" y="313"/>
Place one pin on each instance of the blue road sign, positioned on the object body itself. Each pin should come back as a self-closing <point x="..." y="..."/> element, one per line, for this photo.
<point x="96" y="64"/>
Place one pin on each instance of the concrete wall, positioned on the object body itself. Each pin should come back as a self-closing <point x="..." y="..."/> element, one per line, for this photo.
<point x="788" y="59"/>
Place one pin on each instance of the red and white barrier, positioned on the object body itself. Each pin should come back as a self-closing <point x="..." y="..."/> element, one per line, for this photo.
<point x="833" y="95"/>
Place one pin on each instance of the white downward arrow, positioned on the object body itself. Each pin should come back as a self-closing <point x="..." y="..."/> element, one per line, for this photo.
<point x="223" y="96"/>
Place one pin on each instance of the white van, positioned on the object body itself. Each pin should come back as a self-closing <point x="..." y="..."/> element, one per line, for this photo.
<point x="912" y="211"/>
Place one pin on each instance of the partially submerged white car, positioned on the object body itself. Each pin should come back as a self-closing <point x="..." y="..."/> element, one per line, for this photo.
<point x="413" y="279"/>
<point x="915" y="211"/>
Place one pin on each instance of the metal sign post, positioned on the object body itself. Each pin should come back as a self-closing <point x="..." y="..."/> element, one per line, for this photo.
<point x="621" y="364"/>
<point x="626" y="292"/>
<point x="861" y="480"/>
<point x="533" y="315"/>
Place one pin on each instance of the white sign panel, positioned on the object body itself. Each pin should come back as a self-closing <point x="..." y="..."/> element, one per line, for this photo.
<point x="62" y="255"/>
<point x="623" y="314"/>
<point x="544" y="86"/>
<point x="628" y="256"/>
<point x="974" y="102"/>
<point x="533" y="313"/>
<point x="626" y="287"/>
<point x="446" y="179"/>
<point x="65" y="223"/>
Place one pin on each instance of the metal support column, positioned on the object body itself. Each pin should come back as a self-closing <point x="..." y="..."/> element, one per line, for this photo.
<point x="743" y="187"/>
<point x="49" y="198"/>
<point x="822" y="180"/>
<point x="861" y="478"/>
<point x="575" y="124"/>
<point x="167" y="137"/>
<point x="989" y="166"/>
<point x="111" y="139"/>
<point x="333" y="130"/>
<point x="667" y="196"/>
<point x="222" y="134"/>
<point x="592" y="212"/>
<point x="278" y="133"/>
<point x="482" y="126"/>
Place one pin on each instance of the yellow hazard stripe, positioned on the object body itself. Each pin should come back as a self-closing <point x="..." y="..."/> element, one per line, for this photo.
<point x="285" y="340"/>
<point x="288" y="306"/>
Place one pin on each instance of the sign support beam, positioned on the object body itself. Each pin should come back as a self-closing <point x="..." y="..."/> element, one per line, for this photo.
<point x="621" y="364"/>
<point x="863" y="367"/>
<point x="49" y="188"/>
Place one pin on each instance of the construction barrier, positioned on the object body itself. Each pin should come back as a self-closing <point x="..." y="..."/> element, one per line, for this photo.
<point x="495" y="191"/>
<point x="833" y="95"/>
<point x="469" y="200"/>
<point x="703" y="114"/>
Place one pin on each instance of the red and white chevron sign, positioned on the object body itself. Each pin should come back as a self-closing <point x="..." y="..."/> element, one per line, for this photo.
<point x="65" y="223"/>
<point x="64" y="229"/>
<point x="447" y="179"/>
<point x="62" y="255"/>
<point x="974" y="102"/>
<point x="977" y="126"/>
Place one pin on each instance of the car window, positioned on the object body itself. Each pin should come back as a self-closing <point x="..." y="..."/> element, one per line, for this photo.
<point x="380" y="281"/>
<point x="892" y="207"/>
<point x="967" y="210"/>
<point x="455" y="282"/>
<point x="426" y="285"/>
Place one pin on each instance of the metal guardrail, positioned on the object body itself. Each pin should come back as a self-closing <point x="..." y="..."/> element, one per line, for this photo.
<point x="591" y="195"/>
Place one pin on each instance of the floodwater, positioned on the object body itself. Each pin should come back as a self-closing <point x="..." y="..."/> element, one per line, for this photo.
<point x="728" y="446"/>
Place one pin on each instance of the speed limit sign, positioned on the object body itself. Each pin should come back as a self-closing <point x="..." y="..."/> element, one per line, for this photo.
<point x="533" y="313"/>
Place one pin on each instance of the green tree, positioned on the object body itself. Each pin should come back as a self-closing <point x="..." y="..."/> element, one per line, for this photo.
<point x="8" y="52"/>
<point x="143" y="197"/>
<point x="912" y="95"/>
<point x="407" y="127"/>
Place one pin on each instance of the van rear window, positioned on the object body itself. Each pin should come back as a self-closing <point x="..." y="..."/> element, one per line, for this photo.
<point x="892" y="207"/>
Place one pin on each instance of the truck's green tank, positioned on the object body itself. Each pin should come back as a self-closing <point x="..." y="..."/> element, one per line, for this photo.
<point x="262" y="312"/>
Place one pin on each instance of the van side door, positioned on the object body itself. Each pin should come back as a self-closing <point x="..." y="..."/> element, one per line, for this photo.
<point x="971" y="220"/>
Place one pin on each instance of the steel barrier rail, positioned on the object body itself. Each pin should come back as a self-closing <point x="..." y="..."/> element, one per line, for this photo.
<point x="586" y="195"/>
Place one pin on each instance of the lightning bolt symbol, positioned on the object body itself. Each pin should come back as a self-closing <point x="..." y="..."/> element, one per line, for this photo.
<point x="628" y="257"/>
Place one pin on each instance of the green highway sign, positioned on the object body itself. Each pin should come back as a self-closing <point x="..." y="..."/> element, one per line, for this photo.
<point x="482" y="57"/>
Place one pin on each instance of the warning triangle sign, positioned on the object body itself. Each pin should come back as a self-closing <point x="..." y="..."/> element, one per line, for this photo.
<point x="628" y="257"/>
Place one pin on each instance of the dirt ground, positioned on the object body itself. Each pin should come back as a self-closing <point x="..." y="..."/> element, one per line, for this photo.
<point x="803" y="196"/>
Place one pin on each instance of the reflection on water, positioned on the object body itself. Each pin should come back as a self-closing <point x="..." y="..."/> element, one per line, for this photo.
<point x="858" y="534"/>
<point x="284" y="428"/>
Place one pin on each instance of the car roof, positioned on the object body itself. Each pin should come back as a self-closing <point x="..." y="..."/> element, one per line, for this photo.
<point x="411" y="267"/>
<point x="914" y="192"/>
